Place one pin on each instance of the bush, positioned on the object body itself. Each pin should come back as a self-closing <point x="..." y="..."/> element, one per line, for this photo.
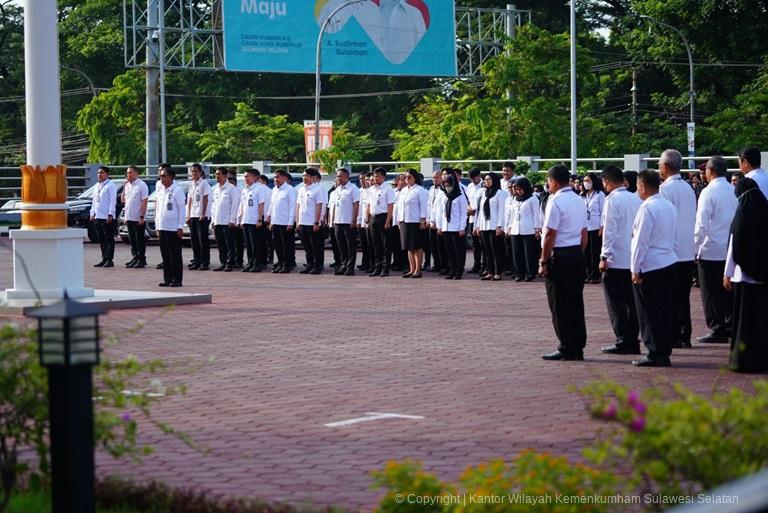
<point x="684" y="444"/>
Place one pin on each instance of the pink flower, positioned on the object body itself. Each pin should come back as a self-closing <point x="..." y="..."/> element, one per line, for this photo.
<point x="637" y="424"/>
<point x="126" y="417"/>
<point x="639" y="407"/>
<point x="610" y="411"/>
<point x="633" y="397"/>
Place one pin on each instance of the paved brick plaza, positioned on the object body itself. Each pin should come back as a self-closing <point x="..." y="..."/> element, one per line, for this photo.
<point x="276" y="357"/>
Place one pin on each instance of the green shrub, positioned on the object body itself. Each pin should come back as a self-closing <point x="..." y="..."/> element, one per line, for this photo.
<point x="683" y="444"/>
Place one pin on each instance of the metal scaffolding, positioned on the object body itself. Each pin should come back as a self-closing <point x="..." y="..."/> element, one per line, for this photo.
<point x="193" y="35"/>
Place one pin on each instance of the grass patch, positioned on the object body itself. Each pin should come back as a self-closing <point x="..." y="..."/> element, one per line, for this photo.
<point x="40" y="502"/>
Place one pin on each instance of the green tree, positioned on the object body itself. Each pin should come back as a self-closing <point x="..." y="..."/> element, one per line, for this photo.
<point x="347" y="147"/>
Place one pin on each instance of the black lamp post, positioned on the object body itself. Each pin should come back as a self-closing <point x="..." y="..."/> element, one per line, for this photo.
<point x="68" y="336"/>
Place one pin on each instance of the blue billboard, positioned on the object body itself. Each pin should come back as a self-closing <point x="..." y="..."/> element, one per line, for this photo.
<point x="368" y="37"/>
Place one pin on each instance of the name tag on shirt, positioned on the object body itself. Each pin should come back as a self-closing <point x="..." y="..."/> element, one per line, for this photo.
<point x="170" y="205"/>
<point x="197" y="198"/>
<point x="250" y="202"/>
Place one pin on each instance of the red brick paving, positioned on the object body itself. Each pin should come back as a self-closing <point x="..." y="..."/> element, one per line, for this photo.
<point x="275" y="357"/>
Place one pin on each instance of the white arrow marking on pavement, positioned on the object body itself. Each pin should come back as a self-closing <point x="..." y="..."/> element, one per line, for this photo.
<point x="373" y="416"/>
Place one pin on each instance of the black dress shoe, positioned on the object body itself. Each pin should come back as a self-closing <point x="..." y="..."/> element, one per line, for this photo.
<point x="384" y="274"/>
<point x="620" y="349"/>
<point x="140" y="264"/>
<point x="473" y="271"/>
<point x="285" y="270"/>
<point x="257" y="269"/>
<point x="192" y="264"/>
<point x="131" y="263"/>
<point x="375" y="272"/>
<point x="528" y="279"/>
<point x="713" y="339"/>
<point x="164" y="284"/>
<point x="100" y="264"/>
<point x="449" y="276"/>
<point x="415" y="276"/>
<point x="443" y="272"/>
<point x="205" y="267"/>
<point x="219" y="268"/>
<point x="682" y="344"/>
<point x="193" y="267"/>
<point x="228" y="269"/>
<point x="316" y="271"/>
<point x="338" y="272"/>
<point x="349" y="272"/>
<point x="160" y="265"/>
<point x="518" y="279"/>
<point x="457" y="277"/>
<point x="175" y="284"/>
<point x="305" y="271"/>
<point x="655" y="362"/>
<point x="557" y="355"/>
<point x="109" y="263"/>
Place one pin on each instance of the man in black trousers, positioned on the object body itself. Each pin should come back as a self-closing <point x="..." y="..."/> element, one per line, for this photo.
<point x="343" y="216"/>
<point x="169" y="221"/>
<point x="381" y="201"/>
<point x="563" y="264"/>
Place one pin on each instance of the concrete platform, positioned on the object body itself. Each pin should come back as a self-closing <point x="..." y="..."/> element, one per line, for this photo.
<point x="112" y="300"/>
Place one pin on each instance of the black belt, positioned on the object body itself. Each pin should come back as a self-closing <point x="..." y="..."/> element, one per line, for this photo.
<point x="568" y="249"/>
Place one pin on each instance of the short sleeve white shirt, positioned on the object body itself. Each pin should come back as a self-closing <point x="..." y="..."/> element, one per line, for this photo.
<point x="198" y="190"/>
<point x="344" y="199"/>
<point x="567" y="214"/>
<point x="135" y="193"/>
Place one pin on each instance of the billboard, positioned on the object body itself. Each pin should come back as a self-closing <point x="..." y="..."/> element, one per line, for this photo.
<point x="370" y="37"/>
<point x="326" y="137"/>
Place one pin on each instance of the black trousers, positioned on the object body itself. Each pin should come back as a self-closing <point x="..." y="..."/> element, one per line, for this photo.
<point x="493" y="247"/>
<point x="346" y="237"/>
<point x="285" y="246"/>
<point x="365" y="251"/>
<point x="397" y="255"/>
<point x="334" y="247"/>
<point x="654" y="299"/>
<point x="477" y="248"/>
<point x="509" y="255"/>
<point x="137" y="240"/>
<point x="269" y="241"/>
<point x="225" y="242"/>
<point x="681" y="310"/>
<point x="255" y="245"/>
<point x="201" y="245"/>
<point x="380" y="238"/>
<point x="749" y="351"/>
<point x="239" y="238"/>
<point x="718" y="302"/>
<point x="525" y="252"/>
<point x="438" y="250"/>
<point x="106" y="234"/>
<point x="456" y="251"/>
<point x="313" y="246"/>
<point x="565" y="295"/>
<point x="620" y="301"/>
<point x="592" y="253"/>
<point x="170" y="249"/>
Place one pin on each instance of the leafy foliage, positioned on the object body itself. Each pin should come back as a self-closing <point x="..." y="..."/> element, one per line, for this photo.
<point x="347" y="147"/>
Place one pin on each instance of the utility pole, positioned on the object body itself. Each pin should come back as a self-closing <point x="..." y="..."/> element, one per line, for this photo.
<point x="634" y="101"/>
<point x="152" y="140"/>
<point x="574" y="145"/>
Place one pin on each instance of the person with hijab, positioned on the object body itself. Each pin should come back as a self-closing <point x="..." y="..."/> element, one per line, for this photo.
<point x="524" y="227"/>
<point x="451" y="221"/>
<point x="594" y="199"/>
<point x="490" y="225"/>
<point x="746" y="274"/>
<point x="412" y="219"/>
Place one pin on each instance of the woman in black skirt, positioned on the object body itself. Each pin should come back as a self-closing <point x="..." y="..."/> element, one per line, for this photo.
<point x="490" y="225"/>
<point x="412" y="219"/>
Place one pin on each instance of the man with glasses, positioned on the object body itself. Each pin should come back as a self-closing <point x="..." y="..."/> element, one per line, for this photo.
<point x="135" y="197"/>
<point x="103" y="216"/>
<point x="169" y="220"/>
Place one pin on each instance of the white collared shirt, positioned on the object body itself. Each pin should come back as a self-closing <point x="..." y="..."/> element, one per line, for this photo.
<point x="225" y="204"/>
<point x="681" y="195"/>
<point x="473" y="191"/>
<point x="415" y="204"/>
<point x="361" y="213"/>
<point x="104" y="200"/>
<point x="398" y="205"/>
<point x="379" y="199"/>
<point x="282" y="208"/>
<point x="566" y="213"/>
<point x="170" y="206"/>
<point x="343" y="203"/>
<point x="760" y="176"/>
<point x="250" y="198"/>
<point x="595" y="202"/>
<point x="619" y="212"/>
<point x="498" y="204"/>
<point x="134" y="193"/>
<point x="437" y="206"/>
<point x="717" y="206"/>
<point x="523" y="217"/>
<point x="654" y="235"/>
<point x="198" y="190"/>
<point x="733" y="270"/>
<point x="309" y="197"/>
<point x="458" y="222"/>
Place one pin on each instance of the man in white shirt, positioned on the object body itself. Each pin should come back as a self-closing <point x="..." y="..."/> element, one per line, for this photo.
<point x="343" y="216"/>
<point x="366" y="244"/>
<point x="169" y="221"/>
<point x="619" y="213"/>
<point x="270" y="246"/>
<point x="474" y="192"/>
<point x="398" y="256"/>
<point x="681" y="195"/>
<point x="158" y="189"/>
<point x="508" y="177"/>
<point x="653" y="260"/>
<point x="381" y="201"/>
<point x="199" y="219"/>
<point x="749" y="163"/>
<point x="309" y="217"/>
<point x="251" y="218"/>
<point x="237" y="232"/>
<point x="134" y="198"/>
<point x="281" y="219"/>
<point x="103" y="216"/>
<point x="717" y="206"/>
<point x="563" y="264"/>
<point x="224" y="217"/>
<point x="436" y="245"/>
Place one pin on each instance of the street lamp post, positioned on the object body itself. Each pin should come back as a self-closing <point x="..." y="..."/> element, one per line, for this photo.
<point x="692" y="90"/>
<point x="318" y="64"/>
<point x="87" y="78"/>
<point x="574" y="141"/>
<point x="68" y="338"/>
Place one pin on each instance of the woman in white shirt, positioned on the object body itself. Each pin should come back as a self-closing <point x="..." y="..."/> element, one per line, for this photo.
<point x="451" y="221"/>
<point x="524" y="226"/>
<point x="412" y="219"/>
<point x="594" y="197"/>
<point x="490" y="225"/>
